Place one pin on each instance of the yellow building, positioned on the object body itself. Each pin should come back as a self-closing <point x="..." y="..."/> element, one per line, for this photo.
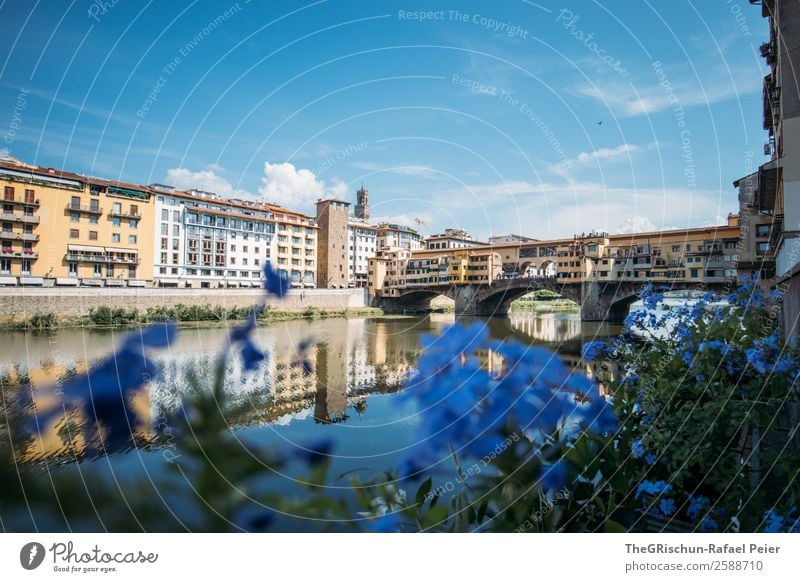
<point x="60" y="228"/>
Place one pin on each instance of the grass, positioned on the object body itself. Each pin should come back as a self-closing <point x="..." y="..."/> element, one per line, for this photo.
<point x="122" y="317"/>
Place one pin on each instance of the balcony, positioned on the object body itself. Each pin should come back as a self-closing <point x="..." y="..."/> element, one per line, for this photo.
<point x="23" y="218"/>
<point x="84" y="209"/>
<point x="84" y="258"/>
<point x="29" y="236"/>
<point x="9" y="253"/>
<point x="9" y="235"/>
<point x="132" y="214"/>
<point x="126" y="260"/>
<point x="29" y="203"/>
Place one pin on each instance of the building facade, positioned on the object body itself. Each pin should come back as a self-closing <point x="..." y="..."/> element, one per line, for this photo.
<point x="779" y="179"/>
<point x="60" y="228"/>
<point x="451" y="238"/>
<point x="333" y="217"/>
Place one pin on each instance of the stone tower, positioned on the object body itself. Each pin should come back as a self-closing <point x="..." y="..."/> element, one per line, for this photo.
<point x="362" y="203"/>
<point x="332" y="243"/>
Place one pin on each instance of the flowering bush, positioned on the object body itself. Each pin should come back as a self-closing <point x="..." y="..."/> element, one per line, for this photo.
<point x="707" y="405"/>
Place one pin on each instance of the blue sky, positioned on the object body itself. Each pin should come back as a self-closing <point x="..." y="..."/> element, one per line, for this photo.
<point x="484" y="116"/>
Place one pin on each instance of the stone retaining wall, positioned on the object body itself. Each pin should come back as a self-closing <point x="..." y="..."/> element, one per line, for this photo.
<point x="20" y="303"/>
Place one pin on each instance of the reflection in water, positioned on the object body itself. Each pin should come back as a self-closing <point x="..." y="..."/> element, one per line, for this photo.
<point x="352" y="361"/>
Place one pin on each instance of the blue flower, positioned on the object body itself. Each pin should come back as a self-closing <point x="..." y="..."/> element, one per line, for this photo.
<point x="553" y="476"/>
<point x="774" y="522"/>
<point x="301" y="359"/>
<point x="593" y="351"/>
<point x="388" y="523"/>
<point x="708" y="524"/>
<point x="317" y="452"/>
<point x="667" y="507"/>
<point x="275" y="282"/>
<point x="637" y="449"/>
<point x="240" y="335"/>
<point x="697" y="504"/>
<point x="650" y="459"/>
<point x="653" y="488"/>
<point x="104" y="391"/>
<point x="757" y="359"/>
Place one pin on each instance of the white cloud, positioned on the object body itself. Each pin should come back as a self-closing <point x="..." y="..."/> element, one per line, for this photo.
<point x="289" y="186"/>
<point x="208" y="180"/>
<point x="416" y="170"/>
<point x="629" y="100"/>
<point x="553" y="210"/>
<point x="620" y="153"/>
<point x="635" y="224"/>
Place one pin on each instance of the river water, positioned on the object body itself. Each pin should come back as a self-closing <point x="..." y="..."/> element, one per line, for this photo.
<point x="351" y="396"/>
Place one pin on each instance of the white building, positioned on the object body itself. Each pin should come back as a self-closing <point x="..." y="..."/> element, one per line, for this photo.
<point x="202" y="240"/>
<point x="362" y="243"/>
<point x="451" y="238"/>
<point x="395" y="236"/>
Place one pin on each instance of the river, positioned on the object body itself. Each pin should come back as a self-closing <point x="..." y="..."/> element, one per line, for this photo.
<point x="358" y="368"/>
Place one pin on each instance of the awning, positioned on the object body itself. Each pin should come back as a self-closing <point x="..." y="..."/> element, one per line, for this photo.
<point x="115" y="282"/>
<point x="92" y="282"/>
<point x="31" y="281"/>
<point x="85" y="248"/>
<point x="67" y="281"/>
<point x="135" y="283"/>
<point x="8" y="280"/>
<point x="119" y="250"/>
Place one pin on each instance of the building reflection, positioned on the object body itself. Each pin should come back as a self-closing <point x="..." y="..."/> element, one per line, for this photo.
<point x="352" y="360"/>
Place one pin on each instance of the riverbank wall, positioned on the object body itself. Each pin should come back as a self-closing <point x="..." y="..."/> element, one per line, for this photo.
<point x="20" y="303"/>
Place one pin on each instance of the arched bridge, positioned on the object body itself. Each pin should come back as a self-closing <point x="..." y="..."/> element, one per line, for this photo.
<point x="599" y="301"/>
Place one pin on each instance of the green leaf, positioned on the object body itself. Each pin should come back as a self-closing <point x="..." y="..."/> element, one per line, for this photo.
<point x="423" y="491"/>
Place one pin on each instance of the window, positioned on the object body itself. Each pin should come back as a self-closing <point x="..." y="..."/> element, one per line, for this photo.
<point x="75" y="202"/>
<point x="116" y="222"/>
<point x="164" y="215"/>
<point x="762" y="247"/>
<point x="176" y="230"/>
<point x="30" y="196"/>
<point x="762" y="230"/>
<point x="134" y="224"/>
<point x="174" y="244"/>
<point x="134" y="210"/>
<point x="5" y="265"/>
<point x="693" y="272"/>
<point x="73" y="269"/>
<point x="73" y="233"/>
<point x="164" y="229"/>
<point x="8" y="193"/>
<point x="93" y="219"/>
<point x="92" y="235"/>
<point x="176" y="216"/>
<point x="98" y="270"/>
<point x="115" y="237"/>
<point x="131" y="239"/>
<point x="74" y="217"/>
<point x="117" y="208"/>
